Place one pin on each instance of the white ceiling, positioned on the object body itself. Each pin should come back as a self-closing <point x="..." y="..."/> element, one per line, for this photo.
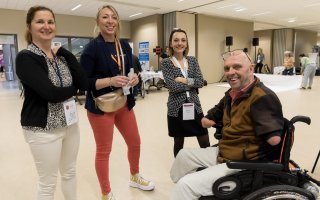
<point x="266" y="14"/>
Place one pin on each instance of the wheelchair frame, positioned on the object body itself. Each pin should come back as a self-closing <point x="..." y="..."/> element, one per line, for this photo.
<point x="266" y="180"/>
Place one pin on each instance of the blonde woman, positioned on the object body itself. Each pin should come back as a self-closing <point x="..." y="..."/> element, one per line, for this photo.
<point x="105" y="59"/>
<point x="288" y="63"/>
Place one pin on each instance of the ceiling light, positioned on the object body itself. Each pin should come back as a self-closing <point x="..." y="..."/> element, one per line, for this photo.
<point x="240" y="9"/>
<point x="75" y="8"/>
<point x="226" y="6"/>
<point x="263" y="13"/>
<point x="135" y="14"/>
<point x="180" y="1"/>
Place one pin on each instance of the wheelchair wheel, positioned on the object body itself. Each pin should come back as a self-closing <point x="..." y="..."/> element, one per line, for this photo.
<point x="226" y="188"/>
<point x="276" y="192"/>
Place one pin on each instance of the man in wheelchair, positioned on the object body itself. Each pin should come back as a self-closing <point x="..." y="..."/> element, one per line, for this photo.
<point x="253" y="150"/>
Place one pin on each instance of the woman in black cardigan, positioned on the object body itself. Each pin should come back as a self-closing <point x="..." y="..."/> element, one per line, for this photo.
<point x="107" y="61"/>
<point x="50" y="78"/>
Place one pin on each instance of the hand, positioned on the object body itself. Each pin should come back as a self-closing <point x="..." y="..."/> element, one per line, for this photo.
<point x="181" y="80"/>
<point x="207" y="123"/>
<point x="134" y="81"/>
<point x="119" y="81"/>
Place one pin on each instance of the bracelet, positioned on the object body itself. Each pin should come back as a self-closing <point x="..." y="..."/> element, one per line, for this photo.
<point x="110" y="81"/>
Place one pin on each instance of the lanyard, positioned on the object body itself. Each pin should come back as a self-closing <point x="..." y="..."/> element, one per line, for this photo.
<point x="57" y="69"/>
<point x="184" y="71"/>
<point x="118" y="61"/>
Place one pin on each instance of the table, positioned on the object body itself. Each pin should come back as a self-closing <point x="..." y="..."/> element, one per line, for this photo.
<point x="147" y="75"/>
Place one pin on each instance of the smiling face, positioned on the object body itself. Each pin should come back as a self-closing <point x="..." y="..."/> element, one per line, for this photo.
<point x="42" y="27"/>
<point x="179" y="43"/>
<point x="238" y="71"/>
<point x="108" y="22"/>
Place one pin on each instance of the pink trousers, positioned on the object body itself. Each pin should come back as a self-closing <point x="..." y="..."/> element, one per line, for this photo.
<point x="103" y="128"/>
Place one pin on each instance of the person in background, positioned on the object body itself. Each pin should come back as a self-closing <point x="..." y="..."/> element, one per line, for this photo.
<point x="137" y="69"/>
<point x="183" y="76"/>
<point x="1" y="63"/>
<point x="260" y="59"/>
<point x="249" y="111"/>
<point x="105" y="59"/>
<point x="308" y="71"/>
<point x="288" y="63"/>
<point x="165" y="54"/>
<point x="50" y="78"/>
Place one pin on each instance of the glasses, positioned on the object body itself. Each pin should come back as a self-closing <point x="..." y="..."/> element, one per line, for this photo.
<point x="235" y="53"/>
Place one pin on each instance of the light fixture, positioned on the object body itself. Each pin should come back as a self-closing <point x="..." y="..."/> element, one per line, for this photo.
<point x="240" y="9"/>
<point x="263" y="13"/>
<point x="135" y="14"/>
<point x="292" y="20"/>
<point x="226" y="6"/>
<point x="75" y="8"/>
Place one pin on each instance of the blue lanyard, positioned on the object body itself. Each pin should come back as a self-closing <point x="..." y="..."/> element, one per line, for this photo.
<point x="57" y="70"/>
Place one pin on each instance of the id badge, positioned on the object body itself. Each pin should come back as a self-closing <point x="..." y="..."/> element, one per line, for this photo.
<point x="188" y="111"/>
<point x="70" y="111"/>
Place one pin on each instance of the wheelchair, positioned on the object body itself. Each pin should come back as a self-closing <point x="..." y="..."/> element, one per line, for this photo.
<point x="259" y="180"/>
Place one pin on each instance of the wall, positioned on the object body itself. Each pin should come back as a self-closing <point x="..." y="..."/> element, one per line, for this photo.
<point x="187" y="22"/>
<point x="212" y="32"/>
<point x="265" y="43"/>
<point x="305" y="41"/>
<point x="148" y="29"/>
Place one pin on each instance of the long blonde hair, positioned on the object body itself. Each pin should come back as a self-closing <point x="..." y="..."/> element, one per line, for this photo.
<point x="96" y="30"/>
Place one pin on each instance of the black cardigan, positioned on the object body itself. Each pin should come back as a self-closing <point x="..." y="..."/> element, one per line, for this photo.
<point x="32" y="71"/>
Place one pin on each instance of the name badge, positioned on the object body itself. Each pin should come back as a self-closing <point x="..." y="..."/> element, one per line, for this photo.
<point x="70" y="111"/>
<point x="188" y="111"/>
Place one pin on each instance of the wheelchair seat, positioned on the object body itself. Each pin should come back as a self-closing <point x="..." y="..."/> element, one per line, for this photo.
<point x="282" y="179"/>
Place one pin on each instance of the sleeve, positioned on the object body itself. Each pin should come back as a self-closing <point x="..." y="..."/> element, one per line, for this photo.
<point x="87" y="61"/>
<point x="79" y="77"/>
<point x="33" y="75"/>
<point x="216" y="113"/>
<point x="169" y="77"/>
<point x="267" y="116"/>
<point x="197" y="80"/>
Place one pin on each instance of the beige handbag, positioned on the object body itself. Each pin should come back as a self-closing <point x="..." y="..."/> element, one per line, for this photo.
<point x="112" y="101"/>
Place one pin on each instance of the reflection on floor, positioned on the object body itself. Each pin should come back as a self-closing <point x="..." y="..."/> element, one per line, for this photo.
<point x="18" y="174"/>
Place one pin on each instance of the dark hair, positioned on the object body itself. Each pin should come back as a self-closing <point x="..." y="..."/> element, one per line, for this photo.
<point x="186" y="51"/>
<point x="30" y="15"/>
<point x="302" y="55"/>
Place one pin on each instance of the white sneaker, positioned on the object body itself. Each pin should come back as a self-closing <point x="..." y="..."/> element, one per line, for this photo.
<point x="108" y="196"/>
<point x="137" y="181"/>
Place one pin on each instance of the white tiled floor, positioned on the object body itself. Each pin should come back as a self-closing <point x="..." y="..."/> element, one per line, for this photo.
<point x="18" y="175"/>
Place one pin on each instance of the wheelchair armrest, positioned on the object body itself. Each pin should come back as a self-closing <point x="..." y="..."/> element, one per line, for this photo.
<point x="255" y="165"/>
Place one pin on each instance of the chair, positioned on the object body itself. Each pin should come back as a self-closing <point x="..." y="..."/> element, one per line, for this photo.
<point x="283" y="179"/>
<point x="315" y="163"/>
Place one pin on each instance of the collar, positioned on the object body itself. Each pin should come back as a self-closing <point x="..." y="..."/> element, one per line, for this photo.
<point x="244" y="92"/>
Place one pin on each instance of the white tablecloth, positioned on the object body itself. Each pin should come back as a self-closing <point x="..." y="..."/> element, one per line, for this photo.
<point x="146" y="75"/>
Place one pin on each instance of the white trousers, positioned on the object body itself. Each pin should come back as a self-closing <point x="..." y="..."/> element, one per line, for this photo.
<point x="191" y="185"/>
<point x="308" y="75"/>
<point x="53" y="151"/>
